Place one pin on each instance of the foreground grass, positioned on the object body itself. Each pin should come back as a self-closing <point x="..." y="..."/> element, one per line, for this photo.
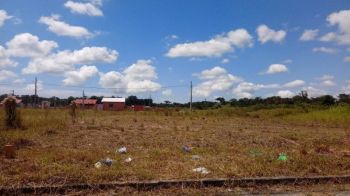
<point x="231" y="142"/>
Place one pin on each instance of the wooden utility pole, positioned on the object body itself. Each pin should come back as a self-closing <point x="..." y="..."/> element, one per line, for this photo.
<point x="35" y="92"/>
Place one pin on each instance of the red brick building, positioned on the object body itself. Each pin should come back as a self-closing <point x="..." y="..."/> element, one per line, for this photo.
<point x="113" y="104"/>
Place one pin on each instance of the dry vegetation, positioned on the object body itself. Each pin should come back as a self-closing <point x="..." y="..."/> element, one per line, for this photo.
<point x="231" y="142"/>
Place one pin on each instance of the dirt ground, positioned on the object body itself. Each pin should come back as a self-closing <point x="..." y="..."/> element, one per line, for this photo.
<point x="53" y="150"/>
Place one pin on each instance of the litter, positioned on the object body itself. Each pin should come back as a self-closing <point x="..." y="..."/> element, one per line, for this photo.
<point x="195" y="157"/>
<point x="98" y="165"/>
<point x="128" y="160"/>
<point x="282" y="157"/>
<point x="122" y="150"/>
<point x="107" y="162"/>
<point x="201" y="170"/>
<point x="186" y="148"/>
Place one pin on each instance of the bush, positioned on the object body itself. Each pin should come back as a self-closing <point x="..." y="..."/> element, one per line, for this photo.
<point x="12" y="116"/>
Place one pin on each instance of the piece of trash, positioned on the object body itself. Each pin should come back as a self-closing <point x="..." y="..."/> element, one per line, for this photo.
<point x="282" y="157"/>
<point x="122" y="150"/>
<point x="195" y="157"/>
<point x="98" y="165"/>
<point x="186" y="148"/>
<point x="346" y="153"/>
<point x="10" y="151"/>
<point x="201" y="170"/>
<point x="128" y="160"/>
<point x="107" y="161"/>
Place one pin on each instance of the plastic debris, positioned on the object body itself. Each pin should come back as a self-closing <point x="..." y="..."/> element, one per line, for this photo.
<point x="98" y="165"/>
<point x="107" y="162"/>
<point x="282" y="157"/>
<point x="201" y="170"/>
<point x="128" y="160"/>
<point x="195" y="157"/>
<point x="122" y="150"/>
<point x="186" y="148"/>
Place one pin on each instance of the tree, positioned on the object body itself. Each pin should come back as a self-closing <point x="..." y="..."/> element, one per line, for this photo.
<point x="344" y="98"/>
<point x="221" y="100"/>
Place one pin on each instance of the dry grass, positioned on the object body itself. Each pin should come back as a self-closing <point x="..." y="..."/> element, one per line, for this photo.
<point x="52" y="150"/>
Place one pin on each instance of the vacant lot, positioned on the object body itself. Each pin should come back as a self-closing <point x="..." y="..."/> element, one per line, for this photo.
<point x="229" y="142"/>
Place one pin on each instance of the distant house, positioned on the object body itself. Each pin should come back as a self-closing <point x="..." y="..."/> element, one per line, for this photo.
<point x="86" y="103"/>
<point x="138" y="107"/>
<point x="113" y="104"/>
<point x="45" y="104"/>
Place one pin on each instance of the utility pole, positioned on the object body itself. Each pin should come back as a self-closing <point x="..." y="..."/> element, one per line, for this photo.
<point x="191" y="98"/>
<point x="13" y="92"/>
<point x="35" y="92"/>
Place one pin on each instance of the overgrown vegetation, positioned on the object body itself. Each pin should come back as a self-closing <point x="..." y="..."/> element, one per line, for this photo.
<point x="230" y="141"/>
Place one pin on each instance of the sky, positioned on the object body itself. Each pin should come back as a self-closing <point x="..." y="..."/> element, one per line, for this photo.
<point x="155" y="48"/>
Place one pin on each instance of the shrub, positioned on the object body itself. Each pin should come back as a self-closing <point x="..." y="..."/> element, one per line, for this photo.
<point x="12" y="117"/>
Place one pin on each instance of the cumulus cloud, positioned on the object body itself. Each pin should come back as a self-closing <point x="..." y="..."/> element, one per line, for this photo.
<point x="276" y="68"/>
<point x="28" y="45"/>
<point x="288" y="61"/>
<point x="341" y="20"/>
<point x="325" y="50"/>
<point x="137" y="78"/>
<point x="309" y="34"/>
<point x="314" y="92"/>
<point x="63" y="61"/>
<point x="3" y="17"/>
<point x="326" y="80"/>
<point x="266" y="34"/>
<point x="80" y="76"/>
<point x="61" y="28"/>
<point x="346" y="87"/>
<point x="285" y="94"/>
<point x="5" y="61"/>
<point x="5" y="74"/>
<point x="294" y="83"/>
<point x="247" y="89"/>
<point x="214" y="80"/>
<point x="214" y="47"/>
<point x="167" y="92"/>
<point x="91" y="8"/>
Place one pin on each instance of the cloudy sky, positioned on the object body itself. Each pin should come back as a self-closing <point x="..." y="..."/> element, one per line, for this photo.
<point x="155" y="48"/>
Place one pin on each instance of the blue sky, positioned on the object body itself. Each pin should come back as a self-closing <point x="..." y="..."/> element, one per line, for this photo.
<point x="155" y="48"/>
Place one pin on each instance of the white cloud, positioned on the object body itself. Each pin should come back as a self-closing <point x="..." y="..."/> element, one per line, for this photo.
<point x="136" y="78"/>
<point x="4" y="75"/>
<point x="347" y="59"/>
<point x="5" y="61"/>
<point x="91" y="8"/>
<point x="285" y="93"/>
<point x="3" y="17"/>
<point x="325" y="50"/>
<point x="61" y="28"/>
<point x="346" y="87"/>
<point x="167" y="92"/>
<point x="247" y="89"/>
<point x="341" y="20"/>
<point x="266" y="34"/>
<point x="80" y="76"/>
<point x="327" y="80"/>
<point x="314" y="92"/>
<point x="28" y="45"/>
<point x="276" y="68"/>
<point x="309" y="34"/>
<point x="295" y="83"/>
<point x="214" y="80"/>
<point x="214" y="47"/>
<point x="225" y="61"/>
<point x="63" y="61"/>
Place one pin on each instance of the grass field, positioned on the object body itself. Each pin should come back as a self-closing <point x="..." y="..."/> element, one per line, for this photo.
<point x="230" y="142"/>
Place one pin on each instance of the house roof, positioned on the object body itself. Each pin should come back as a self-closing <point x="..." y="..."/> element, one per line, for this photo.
<point x="113" y="100"/>
<point x="85" y="101"/>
